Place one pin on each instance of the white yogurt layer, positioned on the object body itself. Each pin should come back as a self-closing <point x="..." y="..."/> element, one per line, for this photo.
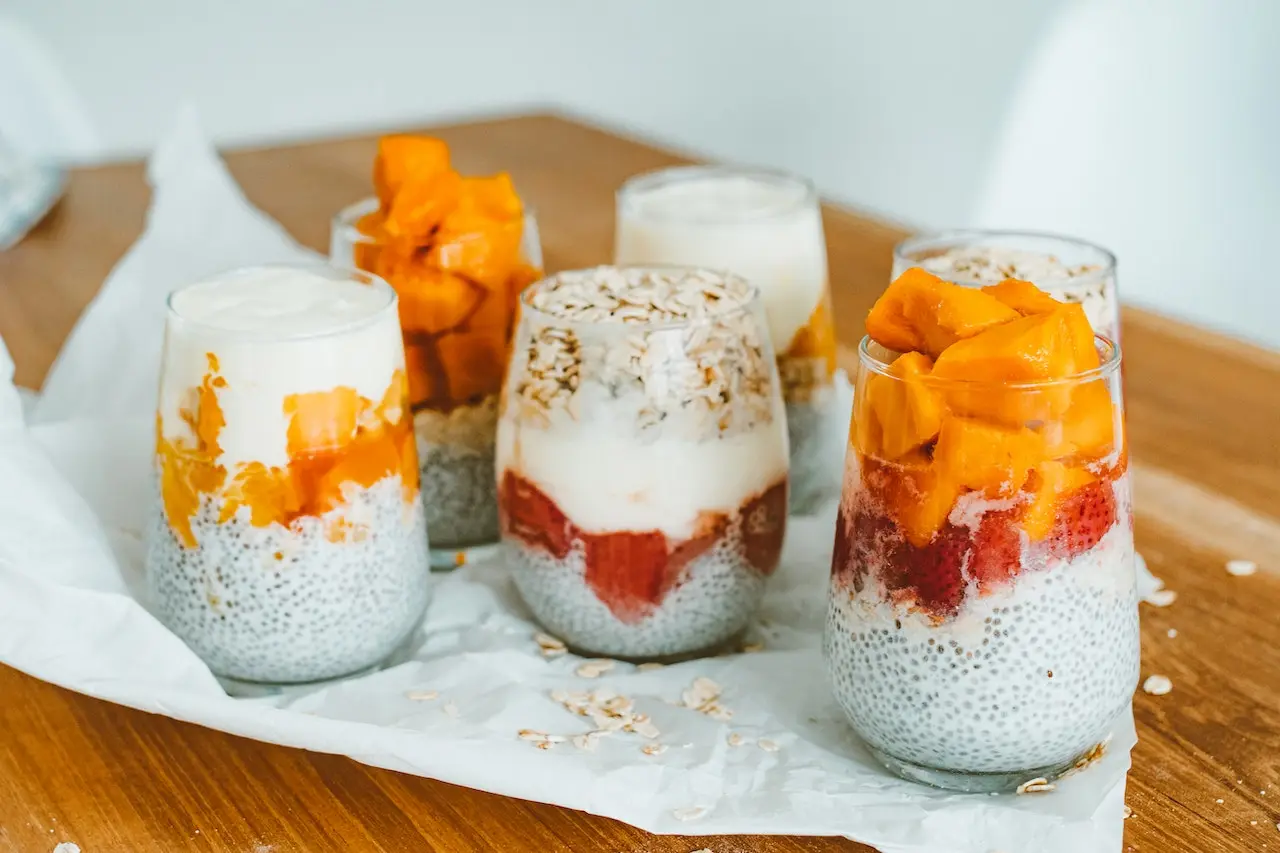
<point x="605" y="479"/>
<point x="764" y="229"/>
<point x="275" y="331"/>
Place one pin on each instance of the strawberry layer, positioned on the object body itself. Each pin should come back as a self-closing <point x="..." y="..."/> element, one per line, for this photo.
<point x="633" y="571"/>
<point x="980" y="549"/>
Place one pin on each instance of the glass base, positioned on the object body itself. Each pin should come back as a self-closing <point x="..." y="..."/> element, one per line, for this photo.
<point x="239" y="688"/>
<point x="448" y="559"/>
<point x="731" y="645"/>
<point x="967" y="783"/>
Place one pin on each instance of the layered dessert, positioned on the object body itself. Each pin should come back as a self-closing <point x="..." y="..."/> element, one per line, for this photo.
<point x="1068" y="269"/>
<point x="983" y="623"/>
<point x="642" y="459"/>
<point x="287" y="541"/>
<point x="766" y="227"/>
<point x="458" y="250"/>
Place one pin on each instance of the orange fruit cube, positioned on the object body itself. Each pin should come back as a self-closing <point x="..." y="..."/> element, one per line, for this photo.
<point x="321" y="420"/>
<point x="434" y="301"/>
<point x="920" y="312"/>
<point x="422" y="204"/>
<point x="403" y="157"/>
<point x="1052" y="481"/>
<point x="1023" y="297"/>
<point x="987" y="457"/>
<point x="474" y="363"/>
<point x="908" y="411"/>
<point x="1087" y="429"/>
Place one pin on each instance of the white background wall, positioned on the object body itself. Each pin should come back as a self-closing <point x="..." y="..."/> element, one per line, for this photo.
<point x="894" y="106"/>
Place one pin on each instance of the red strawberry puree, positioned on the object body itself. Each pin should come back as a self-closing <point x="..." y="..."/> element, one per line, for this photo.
<point x="637" y="574"/>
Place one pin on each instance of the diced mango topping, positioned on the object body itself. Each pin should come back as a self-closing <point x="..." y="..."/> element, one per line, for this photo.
<point x="922" y="313"/>
<point x="451" y="247"/>
<point x="987" y="397"/>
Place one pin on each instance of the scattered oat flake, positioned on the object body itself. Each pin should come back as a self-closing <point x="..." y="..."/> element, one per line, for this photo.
<point x="66" y="847"/>
<point x="654" y="748"/>
<point x="689" y="812"/>
<point x="1219" y="802"/>
<point x="593" y="668"/>
<point x="450" y="708"/>
<point x="1162" y="597"/>
<point x="768" y="745"/>
<point x="422" y="695"/>
<point x="749" y="648"/>
<point x="1038" y="785"/>
<point x="650" y="666"/>
<point x="703" y="850"/>
<point x="588" y="740"/>
<point x="1241" y="568"/>
<point x="735" y="739"/>
<point x="1172" y="632"/>
<point x="1157" y="685"/>
<point x="1128" y="812"/>
<point x="1093" y="756"/>
<point x="550" y="646"/>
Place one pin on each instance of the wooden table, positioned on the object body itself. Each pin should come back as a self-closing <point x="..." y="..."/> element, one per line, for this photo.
<point x="1204" y="415"/>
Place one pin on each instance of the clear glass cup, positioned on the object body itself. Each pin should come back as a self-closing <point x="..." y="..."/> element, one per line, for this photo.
<point x="767" y="227"/>
<point x="458" y="303"/>
<point x="642" y="459"/>
<point x="286" y="543"/>
<point x="983" y="621"/>
<point x="1067" y="268"/>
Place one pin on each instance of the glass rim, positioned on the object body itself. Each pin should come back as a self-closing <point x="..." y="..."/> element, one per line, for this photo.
<point x="753" y="302"/>
<point x="632" y="188"/>
<point x="331" y="271"/>
<point x="955" y="237"/>
<point x="343" y="224"/>
<point x="1109" y="359"/>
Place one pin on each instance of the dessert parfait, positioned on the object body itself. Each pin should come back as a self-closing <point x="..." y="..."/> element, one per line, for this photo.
<point x="642" y="459"/>
<point x="1068" y="269"/>
<point x="287" y="542"/>
<point x="983" y="624"/>
<point x="458" y="250"/>
<point x="766" y="227"/>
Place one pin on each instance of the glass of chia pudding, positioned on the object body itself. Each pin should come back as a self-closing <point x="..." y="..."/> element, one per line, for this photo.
<point x="458" y="250"/>
<point x="286" y="542"/>
<point x="982" y="630"/>
<point x="1067" y="268"/>
<point x="642" y="459"/>
<point x="767" y="227"/>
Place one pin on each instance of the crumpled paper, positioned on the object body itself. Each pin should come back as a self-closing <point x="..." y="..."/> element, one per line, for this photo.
<point x="76" y="483"/>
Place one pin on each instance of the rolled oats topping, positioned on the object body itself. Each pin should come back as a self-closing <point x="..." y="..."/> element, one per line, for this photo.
<point x="672" y="341"/>
<point x="992" y="265"/>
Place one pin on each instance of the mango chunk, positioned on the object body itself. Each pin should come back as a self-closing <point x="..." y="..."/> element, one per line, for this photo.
<point x="1023" y="297"/>
<point x="1052" y="481"/>
<point x="474" y="363"/>
<point x="908" y="411"/>
<point x="493" y="197"/>
<point x="321" y="420"/>
<point x="1084" y="351"/>
<point x="817" y="338"/>
<point x="926" y="501"/>
<point x="421" y="205"/>
<point x="403" y="158"/>
<point x="1087" y="430"/>
<point x="435" y="301"/>
<point x="483" y="249"/>
<point x="920" y="312"/>
<point x="987" y="457"/>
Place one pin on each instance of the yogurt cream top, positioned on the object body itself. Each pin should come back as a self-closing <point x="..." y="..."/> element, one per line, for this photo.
<point x="764" y="227"/>
<point x="273" y="332"/>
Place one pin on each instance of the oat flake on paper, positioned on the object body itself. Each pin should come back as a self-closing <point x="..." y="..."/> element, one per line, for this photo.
<point x="77" y="484"/>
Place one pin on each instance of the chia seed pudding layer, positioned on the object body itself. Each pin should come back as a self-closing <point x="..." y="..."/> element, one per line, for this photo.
<point x="280" y="604"/>
<point x="456" y="457"/>
<point x="1025" y="677"/>
<point x="981" y="265"/>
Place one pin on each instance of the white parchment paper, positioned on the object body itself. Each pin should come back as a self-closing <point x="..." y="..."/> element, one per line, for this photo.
<point x="75" y="477"/>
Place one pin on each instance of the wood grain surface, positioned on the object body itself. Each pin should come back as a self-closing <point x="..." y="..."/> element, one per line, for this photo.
<point x="1204" y="416"/>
